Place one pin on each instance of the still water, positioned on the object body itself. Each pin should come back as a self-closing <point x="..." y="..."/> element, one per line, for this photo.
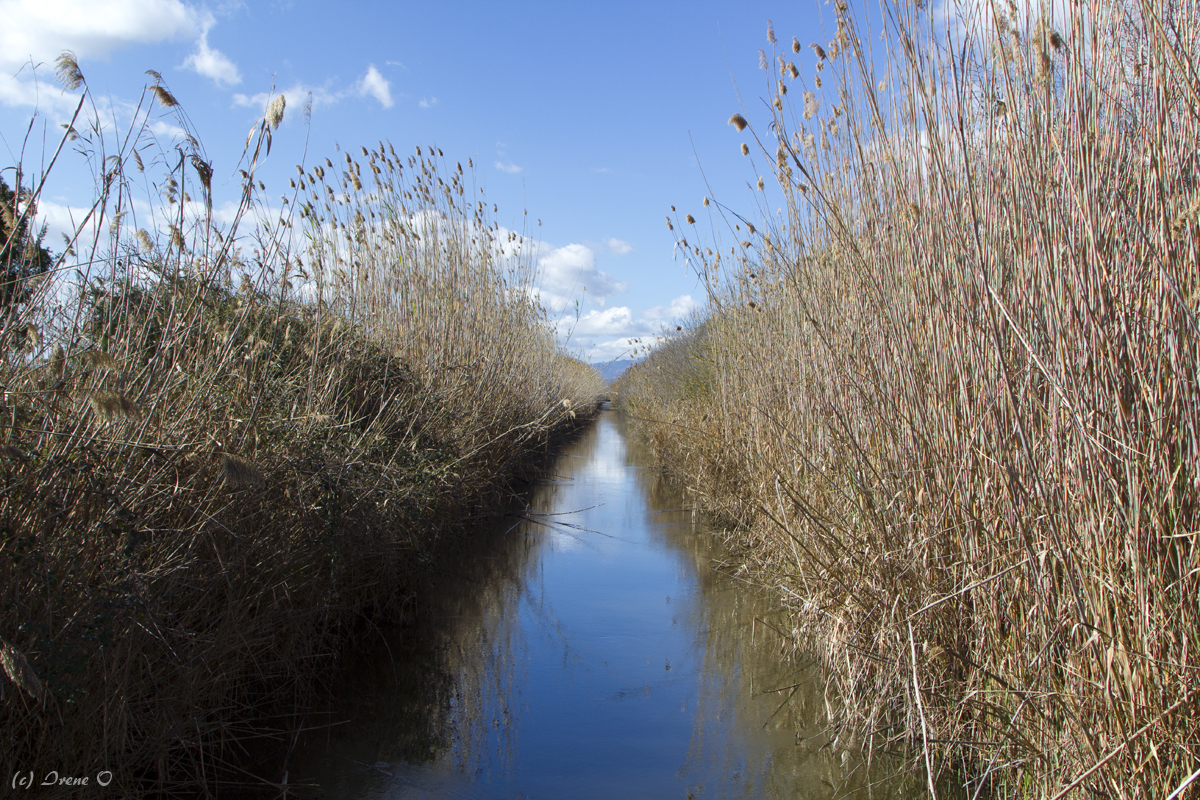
<point x="589" y="650"/>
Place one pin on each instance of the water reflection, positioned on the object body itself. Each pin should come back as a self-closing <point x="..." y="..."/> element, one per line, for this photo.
<point x="589" y="651"/>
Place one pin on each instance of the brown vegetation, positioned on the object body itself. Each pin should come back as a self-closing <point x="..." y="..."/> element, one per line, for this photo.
<point x="225" y="452"/>
<point x="951" y="391"/>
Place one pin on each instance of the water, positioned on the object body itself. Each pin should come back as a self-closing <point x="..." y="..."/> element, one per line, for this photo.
<point x="591" y="651"/>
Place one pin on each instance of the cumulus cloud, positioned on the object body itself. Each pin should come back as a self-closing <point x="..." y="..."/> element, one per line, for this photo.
<point x="212" y="63"/>
<point x="91" y="28"/>
<point x="570" y="287"/>
<point x="611" y="333"/>
<point x="39" y="31"/>
<point x="613" y="321"/>
<point x="428" y="102"/>
<point x="21" y="91"/>
<point x="618" y="247"/>
<point x="612" y="350"/>
<point x="373" y="84"/>
<point x="511" y="169"/>
<point x="377" y="86"/>
<point x="566" y="273"/>
<point x="680" y="309"/>
<point x="167" y="130"/>
<point x="296" y="96"/>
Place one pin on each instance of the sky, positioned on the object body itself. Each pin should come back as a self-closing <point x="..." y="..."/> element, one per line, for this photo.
<point x="594" y="117"/>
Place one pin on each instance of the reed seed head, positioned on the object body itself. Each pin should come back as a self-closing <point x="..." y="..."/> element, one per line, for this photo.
<point x="19" y="671"/>
<point x="66" y="70"/>
<point x="739" y="122"/>
<point x="237" y="472"/>
<point x="102" y="360"/>
<point x="164" y="97"/>
<point x="114" y="406"/>
<point x="58" y="361"/>
<point x="274" y="114"/>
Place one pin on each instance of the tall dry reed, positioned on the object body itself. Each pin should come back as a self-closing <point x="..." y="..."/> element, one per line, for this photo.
<point x="229" y="449"/>
<point x="951" y="388"/>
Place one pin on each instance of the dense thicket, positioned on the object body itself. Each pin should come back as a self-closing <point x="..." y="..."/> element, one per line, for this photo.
<point x="951" y="389"/>
<point x="226" y="449"/>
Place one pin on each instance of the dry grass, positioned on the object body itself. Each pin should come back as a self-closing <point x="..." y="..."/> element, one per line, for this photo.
<point x="952" y="389"/>
<point x="225" y="452"/>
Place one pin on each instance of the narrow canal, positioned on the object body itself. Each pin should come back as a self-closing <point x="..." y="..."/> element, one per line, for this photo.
<point x="589" y="651"/>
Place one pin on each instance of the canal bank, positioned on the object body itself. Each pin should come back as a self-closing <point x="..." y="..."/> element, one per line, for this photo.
<point x="587" y="649"/>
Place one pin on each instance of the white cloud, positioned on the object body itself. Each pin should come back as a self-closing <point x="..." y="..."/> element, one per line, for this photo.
<point x="428" y="102"/>
<point x="166" y="129"/>
<point x="377" y="86"/>
<point x="372" y="84"/>
<point x="612" y="350"/>
<point x="680" y="309"/>
<point x="41" y="94"/>
<point x="511" y="169"/>
<point x="212" y="63"/>
<point x="613" y="321"/>
<point x="39" y="31"/>
<point x="62" y="221"/>
<point x="566" y="273"/>
<point x="296" y="96"/>
<point x="618" y="247"/>
<point x="91" y="28"/>
<point x="606" y="334"/>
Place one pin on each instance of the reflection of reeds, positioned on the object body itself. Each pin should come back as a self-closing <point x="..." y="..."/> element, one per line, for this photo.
<point x="452" y="686"/>
<point x="957" y="401"/>
<point x="223" y="450"/>
<point x="760" y="717"/>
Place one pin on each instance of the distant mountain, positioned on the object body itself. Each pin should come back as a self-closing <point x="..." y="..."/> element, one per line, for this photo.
<point x="610" y="371"/>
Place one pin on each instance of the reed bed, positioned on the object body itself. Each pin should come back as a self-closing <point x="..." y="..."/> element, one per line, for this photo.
<point x="230" y="450"/>
<point x="949" y="390"/>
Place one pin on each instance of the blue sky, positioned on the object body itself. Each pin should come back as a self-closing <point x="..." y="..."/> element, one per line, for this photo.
<point x="595" y="117"/>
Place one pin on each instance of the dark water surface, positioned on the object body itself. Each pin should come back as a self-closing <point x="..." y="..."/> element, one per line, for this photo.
<point x="590" y="652"/>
